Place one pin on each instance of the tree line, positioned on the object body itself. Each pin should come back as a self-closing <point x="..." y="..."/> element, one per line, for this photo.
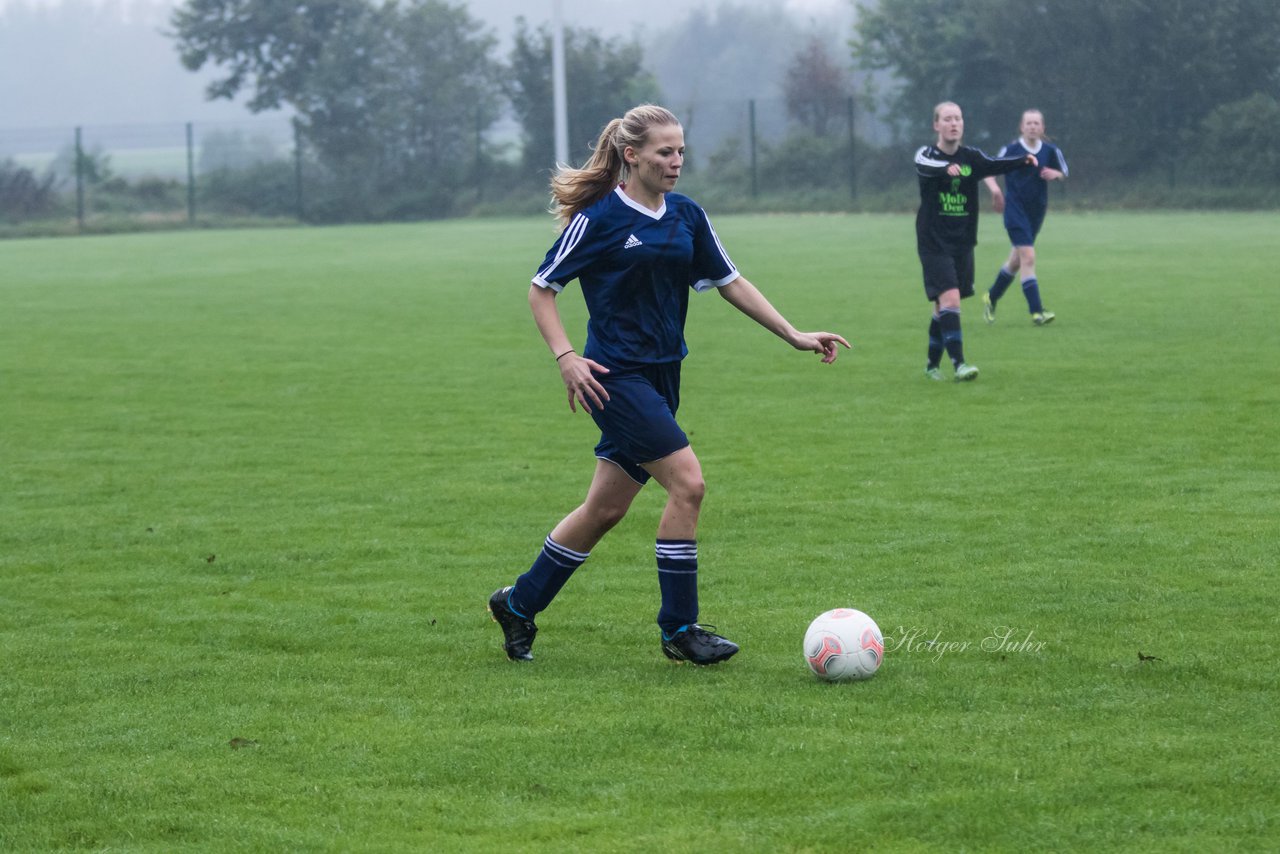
<point x="394" y="95"/>
<point x="1146" y="89"/>
<point x="402" y="105"/>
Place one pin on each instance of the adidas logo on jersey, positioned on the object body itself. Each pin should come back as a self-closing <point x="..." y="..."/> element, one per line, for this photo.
<point x="632" y="242"/>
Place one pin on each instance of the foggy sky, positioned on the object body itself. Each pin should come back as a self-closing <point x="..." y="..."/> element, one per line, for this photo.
<point x="81" y="62"/>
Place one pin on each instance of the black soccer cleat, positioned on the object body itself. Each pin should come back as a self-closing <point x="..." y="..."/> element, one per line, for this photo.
<point x="696" y="644"/>
<point x="517" y="631"/>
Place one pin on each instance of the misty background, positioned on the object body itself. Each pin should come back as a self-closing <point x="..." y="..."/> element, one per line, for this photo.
<point x="369" y="110"/>
<point x="99" y="113"/>
<point x="81" y="62"/>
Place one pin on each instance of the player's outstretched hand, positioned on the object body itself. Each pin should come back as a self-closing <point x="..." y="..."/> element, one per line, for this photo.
<point x="1030" y="160"/>
<point x="821" y="342"/>
<point x="579" y="378"/>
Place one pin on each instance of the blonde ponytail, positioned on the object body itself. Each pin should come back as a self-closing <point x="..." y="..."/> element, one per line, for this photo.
<point x="573" y="190"/>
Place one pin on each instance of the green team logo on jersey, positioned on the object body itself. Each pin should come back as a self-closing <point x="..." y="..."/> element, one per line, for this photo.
<point x="953" y="203"/>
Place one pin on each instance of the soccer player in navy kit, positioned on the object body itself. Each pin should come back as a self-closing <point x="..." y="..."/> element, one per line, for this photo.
<point x="636" y="249"/>
<point x="947" y="231"/>
<point x="1026" y="199"/>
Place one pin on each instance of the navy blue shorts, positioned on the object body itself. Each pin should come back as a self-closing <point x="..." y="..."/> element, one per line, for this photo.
<point x="1022" y="227"/>
<point x="638" y="422"/>
<point x="947" y="272"/>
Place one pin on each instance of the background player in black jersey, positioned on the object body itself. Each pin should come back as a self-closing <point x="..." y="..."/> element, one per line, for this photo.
<point x="947" y="230"/>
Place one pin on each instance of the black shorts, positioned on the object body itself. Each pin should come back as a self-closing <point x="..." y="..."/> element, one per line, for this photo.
<point x="943" y="273"/>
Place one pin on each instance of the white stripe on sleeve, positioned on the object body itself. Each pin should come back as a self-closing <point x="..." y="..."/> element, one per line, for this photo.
<point x="707" y="284"/>
<point x="571" y="238"/>
<point x="923" y="160"/>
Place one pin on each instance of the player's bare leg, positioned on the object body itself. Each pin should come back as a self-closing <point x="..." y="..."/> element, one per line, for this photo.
<point x="683" y="639"/>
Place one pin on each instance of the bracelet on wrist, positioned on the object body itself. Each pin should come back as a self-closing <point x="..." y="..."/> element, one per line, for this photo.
<point x="565" y="353"/>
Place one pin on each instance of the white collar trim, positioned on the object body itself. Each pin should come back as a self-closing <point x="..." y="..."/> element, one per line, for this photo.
<point x="634" y="205"/>
<point x="1026" y="145"/>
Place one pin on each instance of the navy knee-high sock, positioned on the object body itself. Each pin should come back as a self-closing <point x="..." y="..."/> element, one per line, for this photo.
<point x="1003" y="279"/>
<point x="678" y="581"/>
<point x="935" y="343"/>
<point x="1031" y="290"/>
<point x="551" y="569"/>
<point x="952" y="339"/>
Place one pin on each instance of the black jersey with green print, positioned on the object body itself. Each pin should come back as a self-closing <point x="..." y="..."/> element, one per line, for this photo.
<point x="947" y="222"/>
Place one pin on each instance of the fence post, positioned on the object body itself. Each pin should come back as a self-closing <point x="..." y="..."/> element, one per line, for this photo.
<point x="853" y="154"/>
<point x="297" y="168"/>
<point x="480" y="164"/>
<point x="191" y="176"/>
<point x="751" y="135"/>
<point x="79" y="181"/>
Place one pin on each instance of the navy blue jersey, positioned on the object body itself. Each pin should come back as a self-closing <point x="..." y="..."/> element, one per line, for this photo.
<point x="947" y="221"/>
<point x="1026" y="193"/>
<point x="636" y="268"/>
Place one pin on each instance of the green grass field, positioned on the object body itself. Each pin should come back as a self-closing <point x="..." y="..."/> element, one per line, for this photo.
<point x="255" y="488"/>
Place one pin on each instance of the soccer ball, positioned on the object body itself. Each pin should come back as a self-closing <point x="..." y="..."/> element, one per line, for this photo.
<point x="843" y="645"/>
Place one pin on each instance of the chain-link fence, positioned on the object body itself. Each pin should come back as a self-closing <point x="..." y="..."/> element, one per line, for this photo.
<point x="742" y="155"/>
<point x="755" y="151"/>
<point x="95" y="178"/>
<point x="107" y="177"/>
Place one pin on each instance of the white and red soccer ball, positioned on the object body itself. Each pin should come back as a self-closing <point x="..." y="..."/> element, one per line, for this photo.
<point x="843" y="645"/>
